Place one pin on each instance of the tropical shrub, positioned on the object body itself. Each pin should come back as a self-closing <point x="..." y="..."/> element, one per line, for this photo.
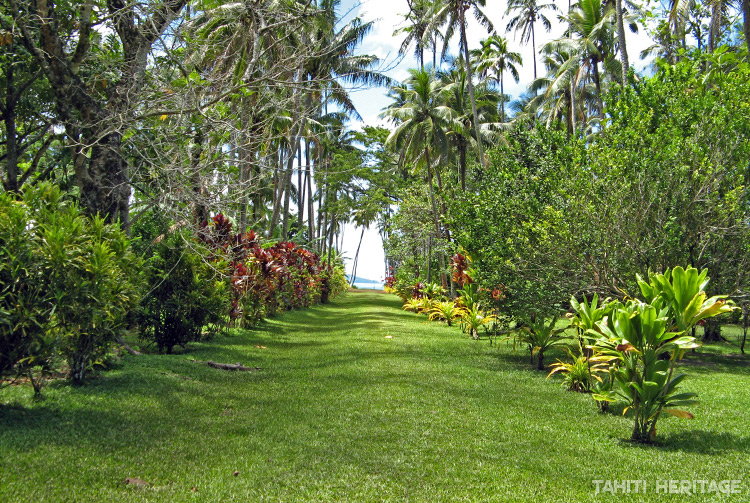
<point x="446" y="311"/>
<point x="460" y="269"/>
<point x="270" y="278"/>
<point x="433" y="291"/>
<point x="469" y="296"/>
<point x="473" y="318"/>
<point x="333" y="275"/>
<point x="187" y="293"/>
<point x="582" y="372"/>
<point x="96" y="284"/>
<point x="67" y="283"/>
<point x="25" y="303"/>
<point x="413" y="305"/>
<point x="664" y="181"/>
<point x="539" y="337"/>
<point x="637" y="333"/>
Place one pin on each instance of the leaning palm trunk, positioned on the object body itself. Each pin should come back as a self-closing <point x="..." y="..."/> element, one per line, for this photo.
<point x="310" y="207"/>
<point x="621" y="42"/>
<point x="438" y="232"/>
<point x="475" y="116"/>
<point x="717" y="10"/>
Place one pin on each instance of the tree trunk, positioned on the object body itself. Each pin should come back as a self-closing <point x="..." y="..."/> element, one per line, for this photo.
<point x="533" y="49"/>
<point x="323" y="226"/>
<point x="598" y="86"/>
<point x="310" y="207"/>
<point x="712" y="331"/>
<point x="714" y="30"/>
<point x="11" y="148"/>
<point x="105" y="186"/>
<point x="331" y="232"/>
<point x="621" y="42"/>
<point x="746" y="22"/>
<point x="243" y="157"/>
<point x="744" y="327"/>
<point x="279" y="183"/>
<point x="462" y="164"/>
<point x="356" y="256"/>
<point x="502" y="98"/>
<point x="436" y="216"/>
<point x="540" y="360"/>
<point x="288" y="187"/>
<point x="300" y="190"/>
<point x="573" y="106"/>
<point x="480" y="148"/>
<point x="200" y="211"/>
<point x="572" y="85"/>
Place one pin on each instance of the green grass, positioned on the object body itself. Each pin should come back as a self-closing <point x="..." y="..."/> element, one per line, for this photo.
<point x="342" y="413"/>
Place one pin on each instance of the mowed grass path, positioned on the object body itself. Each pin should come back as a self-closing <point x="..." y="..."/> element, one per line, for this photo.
<point x="342" y="413"/>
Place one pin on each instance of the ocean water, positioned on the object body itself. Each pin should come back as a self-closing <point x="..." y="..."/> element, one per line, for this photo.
<point x="369" y="286"/>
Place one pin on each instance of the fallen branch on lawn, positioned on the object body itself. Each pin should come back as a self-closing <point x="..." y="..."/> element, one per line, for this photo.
<point x="228" y="366"/>
<point x="126" y="347"/>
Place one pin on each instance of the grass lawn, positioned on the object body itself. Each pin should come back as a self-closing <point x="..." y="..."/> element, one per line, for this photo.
<point x="339" y="412"/>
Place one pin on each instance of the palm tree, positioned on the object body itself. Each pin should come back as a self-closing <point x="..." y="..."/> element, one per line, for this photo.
<point x="461" y="130"/>
<point x="421" y="134"/>
<point x="621" y="41"/>
<point x="494" y="56"/>
<point x="452" y="15"/>
<point x="416" y="30"/>
<point x="719" y="14"/>
<point x="562" y="91"/>
<point x="592" y="24"/>
<point x="529" y="12"/>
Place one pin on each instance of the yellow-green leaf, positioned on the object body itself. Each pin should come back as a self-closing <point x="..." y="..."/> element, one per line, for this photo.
<point x="679" y="413"/>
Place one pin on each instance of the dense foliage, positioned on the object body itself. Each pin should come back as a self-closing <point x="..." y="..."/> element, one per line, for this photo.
<point x="665" y="181"/>
<point x="187" y="293"/>
<point x="67" y="283"/>
<point x="207" y="280"/>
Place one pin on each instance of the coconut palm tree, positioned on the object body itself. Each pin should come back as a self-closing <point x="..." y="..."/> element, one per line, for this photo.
<point x="452" y="15"/>
<point x="461" y="131"/>
<point x="592" y="40"/>
<point x="528" y="12"/>
<point x="416" y="29"/>
<point x="563" y="92"/>
<point x="423" y="122"/>
<point x="494" y="57"/>
<point x="720" y="12"/>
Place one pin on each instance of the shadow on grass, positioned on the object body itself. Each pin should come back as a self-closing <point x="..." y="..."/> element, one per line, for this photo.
<point x="710" y="363"/>
<point x="698" y="442"/>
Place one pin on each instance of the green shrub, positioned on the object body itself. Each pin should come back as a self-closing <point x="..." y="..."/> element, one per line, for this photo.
<point x="25" y="304"/>
<point x="635" y="335"/>
<point x="333" y="279"/>
<point x="187" y="293"/>
<point x="67" y="283"/>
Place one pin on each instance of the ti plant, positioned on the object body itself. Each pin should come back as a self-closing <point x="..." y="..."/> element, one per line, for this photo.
<point x="469" y="295"/>
<point x="540" y="337"/>
<point x="433" y="291"/>
<point x="582" y="373"/>
<point x="445" y="311"/>
<point x="587" y="315"/>
<point x="682" y="291"/>
<point x="637" y="333"/>
<point x="473" y="318"/>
